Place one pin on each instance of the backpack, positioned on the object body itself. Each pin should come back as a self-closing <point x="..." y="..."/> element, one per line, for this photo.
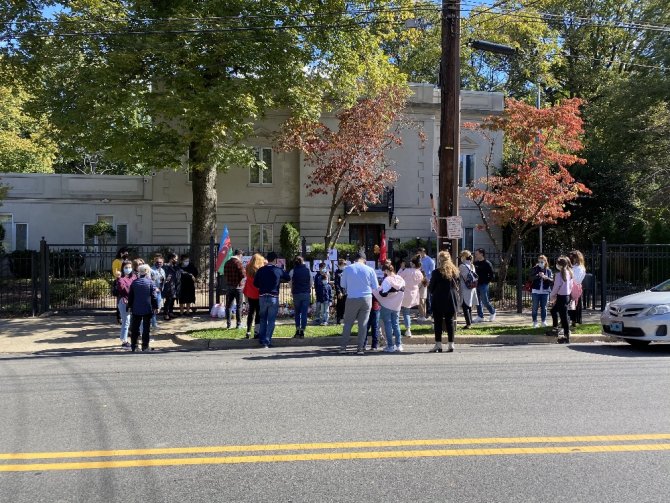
<point x="471" y="279"/>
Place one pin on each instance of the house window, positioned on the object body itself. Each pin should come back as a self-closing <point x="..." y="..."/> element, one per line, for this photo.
<point x="467" y="242"/>
<point x="467" y="170"/>
<point x="91" y="242"/>
<point x="21" y="237"/>
<point x="258" y="175"/>
<point x="122" y="234"/>
<point x="6" y="222"/>
<point x="260" y="237"/>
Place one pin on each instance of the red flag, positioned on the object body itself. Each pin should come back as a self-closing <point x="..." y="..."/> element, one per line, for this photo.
<point x="383" y="249"/>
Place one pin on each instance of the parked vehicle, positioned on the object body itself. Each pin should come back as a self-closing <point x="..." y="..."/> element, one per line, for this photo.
<point x="640" y="318"/>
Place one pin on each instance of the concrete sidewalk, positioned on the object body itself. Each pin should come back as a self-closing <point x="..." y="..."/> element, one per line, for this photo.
<point x="99" y="333"/>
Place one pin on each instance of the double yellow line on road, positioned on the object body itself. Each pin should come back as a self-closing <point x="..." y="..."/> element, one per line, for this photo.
<point x="338" y="451"/>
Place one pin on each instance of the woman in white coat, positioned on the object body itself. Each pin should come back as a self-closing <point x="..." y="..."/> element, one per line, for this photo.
<point x="413" y="278"/>
<point x="468" y="295"/>
<point x="579" y="271"/>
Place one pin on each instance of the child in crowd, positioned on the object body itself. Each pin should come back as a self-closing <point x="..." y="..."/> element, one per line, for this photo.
<point x="324" y="295"/>
<point x="373" y="324"/>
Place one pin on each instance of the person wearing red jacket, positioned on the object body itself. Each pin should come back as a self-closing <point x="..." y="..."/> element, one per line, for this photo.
<point x="252" y="294"/>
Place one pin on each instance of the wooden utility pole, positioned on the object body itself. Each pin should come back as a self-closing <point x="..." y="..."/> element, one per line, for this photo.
<point x="450" y="119"/>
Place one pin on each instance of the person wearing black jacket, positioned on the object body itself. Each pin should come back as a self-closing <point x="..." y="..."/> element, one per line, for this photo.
<point x="340" y="293"/>
<point x="542" y="280"/>
<point x="484" y="270"/>
<point x="443" y="287"/>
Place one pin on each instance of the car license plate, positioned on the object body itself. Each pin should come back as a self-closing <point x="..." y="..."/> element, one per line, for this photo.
<point x="616" y="327"/>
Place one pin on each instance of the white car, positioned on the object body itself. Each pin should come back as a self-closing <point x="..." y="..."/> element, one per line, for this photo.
<point x="640" y="318"/>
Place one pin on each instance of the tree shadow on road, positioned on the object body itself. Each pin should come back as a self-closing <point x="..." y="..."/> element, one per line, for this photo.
<point x="624" y="350"/>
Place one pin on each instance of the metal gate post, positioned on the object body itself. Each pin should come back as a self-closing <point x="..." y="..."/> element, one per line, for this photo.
<point x="34" y="279"/>
<point x="603" y="274"/>
<point x="44" y="275"/>
<point x="212" y="272"/>
<point x="519" y="277"/>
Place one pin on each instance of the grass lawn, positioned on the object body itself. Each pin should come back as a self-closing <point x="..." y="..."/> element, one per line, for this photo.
<point x="287" y="331"/>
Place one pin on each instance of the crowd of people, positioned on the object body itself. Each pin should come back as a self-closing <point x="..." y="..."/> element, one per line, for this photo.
<point x="437" y="290"/>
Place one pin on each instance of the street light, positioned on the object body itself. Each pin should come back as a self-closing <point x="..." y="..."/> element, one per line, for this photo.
<point x="483" y="45"/>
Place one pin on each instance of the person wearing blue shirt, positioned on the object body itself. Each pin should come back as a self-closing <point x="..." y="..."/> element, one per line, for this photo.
<point x="301" y="289"/>
<point x="427" y="266"/>
<point x="358" y="279"/>
<point x="267" y="280"/>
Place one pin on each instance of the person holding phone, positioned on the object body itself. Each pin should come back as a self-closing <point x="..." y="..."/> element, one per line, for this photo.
<point x="542" y="281"/>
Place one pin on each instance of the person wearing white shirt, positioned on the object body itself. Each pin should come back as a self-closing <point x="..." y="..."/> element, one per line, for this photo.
<point x="579" y="271"/>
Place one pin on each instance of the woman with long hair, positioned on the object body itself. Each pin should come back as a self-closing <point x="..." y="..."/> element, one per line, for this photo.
<point x="122" y="288"/>
<point x="468" y="295"/>
<point x="443" y="287"/>
<point x="390" y="296"/>
<point x="560" y="296"/>
<point x="252" y="294"/>
<point x="413" y="278"/>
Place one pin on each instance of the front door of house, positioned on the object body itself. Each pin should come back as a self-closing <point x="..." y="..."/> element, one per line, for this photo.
<point x="366" y="236"/>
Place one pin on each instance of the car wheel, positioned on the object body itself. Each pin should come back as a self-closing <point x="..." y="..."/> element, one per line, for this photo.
<point x="637" y="343"/>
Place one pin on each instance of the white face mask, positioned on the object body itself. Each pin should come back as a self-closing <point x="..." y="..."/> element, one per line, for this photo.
<point x="127" y="270"/>
<point x="541" y="264"/>
<point x="186" y="263"/>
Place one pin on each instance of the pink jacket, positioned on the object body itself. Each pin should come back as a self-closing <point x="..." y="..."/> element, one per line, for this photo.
<point x="413" y="278"/>
<point x="561" y="287"/>
<point x="393" y="300"/>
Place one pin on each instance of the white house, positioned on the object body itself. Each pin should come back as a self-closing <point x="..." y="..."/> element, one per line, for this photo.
<point x="253" y="204"/>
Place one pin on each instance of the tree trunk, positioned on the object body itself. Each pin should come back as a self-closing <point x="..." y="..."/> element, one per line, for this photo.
<point x="204" y="214"/>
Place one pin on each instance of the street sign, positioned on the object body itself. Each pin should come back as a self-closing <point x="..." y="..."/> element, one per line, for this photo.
<point x="454" y="227"/>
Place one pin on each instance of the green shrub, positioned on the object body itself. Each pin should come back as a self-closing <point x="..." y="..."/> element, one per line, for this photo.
<point x="95" y="288"/>
<point x="289" y="241"/>
<point x="344" y="250"/>
<point x="63" y="294"/>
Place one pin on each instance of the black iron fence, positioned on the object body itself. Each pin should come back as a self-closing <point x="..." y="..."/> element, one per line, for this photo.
<point x="78" y="277"/>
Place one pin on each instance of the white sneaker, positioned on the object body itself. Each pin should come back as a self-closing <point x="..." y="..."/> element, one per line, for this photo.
<point x="544" y="324"/>
<point x="535" y="325"/>
<point x="389" y="349"/>
<point x="399" y="348"/>
<point x="478" y="319"/>
<point x="492" y="317"/>
<point x="408" y="333"/>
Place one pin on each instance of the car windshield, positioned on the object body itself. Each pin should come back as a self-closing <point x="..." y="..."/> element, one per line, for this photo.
<point x="663" y="287"/>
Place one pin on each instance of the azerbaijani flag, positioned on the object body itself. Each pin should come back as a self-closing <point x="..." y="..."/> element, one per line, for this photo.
<point x="225" y="250"/>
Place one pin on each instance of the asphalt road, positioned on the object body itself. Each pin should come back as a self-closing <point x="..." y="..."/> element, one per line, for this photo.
<point x="482" y="411"/>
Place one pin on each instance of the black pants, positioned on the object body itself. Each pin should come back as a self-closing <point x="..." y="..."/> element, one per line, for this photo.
<point x="429" y="304"/>
<point x="467" y="314"/>
<point x="234" y="295"/>
<point x="135" y="320"/>
<point x="168" y="309"/>
<point x="339" y="308"/>
<point x="254" y="309"/>
<point x="440" y="321"/>
<point x="576" y="315"/>
<point x="560" y="310"/>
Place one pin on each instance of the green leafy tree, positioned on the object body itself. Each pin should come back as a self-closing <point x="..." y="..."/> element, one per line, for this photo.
<point x="25" y="145"/>
<point x="156" y="84"/>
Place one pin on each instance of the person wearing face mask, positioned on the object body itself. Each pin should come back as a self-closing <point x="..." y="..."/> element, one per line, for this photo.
<point x="158" y="278"/>
<point x="171" y="285"/>
<point x="542" y="280"/>
<point x="301" y="289"/>
<point x="560" y="297"/>
<point x="324" y="294"/>
<point x="142" y="304"/>
<point x="468" y="289"/>
<point x="122" y="288"/>
<point x="188" y="275"/>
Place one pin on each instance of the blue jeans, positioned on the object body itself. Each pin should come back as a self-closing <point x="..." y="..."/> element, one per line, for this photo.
<point x="391" y="326"/>
<point x="325" y="312"/>
<point x="540" y="300"/>
<point x="301" y="306"/>
<point x="269" y="306"/>
<point x="483" y="295"/>
<point x="373" y="328"/>
<point x="125" y="320"/>
<point x="159" y="300"/>
<point x="405" y="316"/>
